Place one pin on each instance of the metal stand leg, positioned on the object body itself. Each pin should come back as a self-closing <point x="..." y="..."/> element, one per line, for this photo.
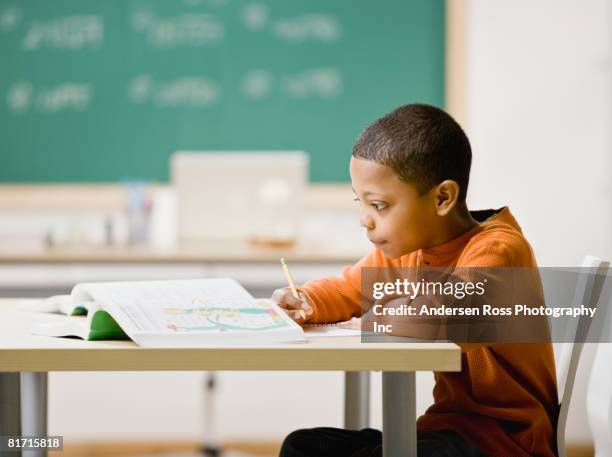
<point x="399" y="414"/>
<point x="34" y="408"/>
<point x="356" y="400"/>
<point x="210" y="447"/>
<point x="9" y="408"/>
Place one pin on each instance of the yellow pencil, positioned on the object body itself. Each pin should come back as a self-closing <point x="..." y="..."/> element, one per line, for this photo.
<point x="294" y="291"/>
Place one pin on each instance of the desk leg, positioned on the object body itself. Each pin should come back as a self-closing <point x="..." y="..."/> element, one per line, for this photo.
<point x="9" y="408"/>
<point x="356" y="400"/>
<point x="399" y="414"/>
<point x="34" y="408"/>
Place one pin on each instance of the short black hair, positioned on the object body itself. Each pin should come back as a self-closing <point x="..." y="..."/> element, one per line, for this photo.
<point x="422" y="144"/>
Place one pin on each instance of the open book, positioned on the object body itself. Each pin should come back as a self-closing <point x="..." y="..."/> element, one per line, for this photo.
<point x="172" y="313"/>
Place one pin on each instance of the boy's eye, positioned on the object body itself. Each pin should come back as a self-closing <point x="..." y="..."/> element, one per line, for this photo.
<point x="378" y="206"/>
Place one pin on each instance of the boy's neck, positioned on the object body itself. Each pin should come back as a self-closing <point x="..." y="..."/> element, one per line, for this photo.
<point x="455" y="224"/>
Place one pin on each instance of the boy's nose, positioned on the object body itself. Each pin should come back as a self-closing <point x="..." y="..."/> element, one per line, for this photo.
<point x="366" y="221"/>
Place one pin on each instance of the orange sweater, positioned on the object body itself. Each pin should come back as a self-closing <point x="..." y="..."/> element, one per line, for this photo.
<point x="504" y="400"/>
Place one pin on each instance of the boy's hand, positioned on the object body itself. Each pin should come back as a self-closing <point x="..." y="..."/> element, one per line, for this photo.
<point x="297" y="309"/>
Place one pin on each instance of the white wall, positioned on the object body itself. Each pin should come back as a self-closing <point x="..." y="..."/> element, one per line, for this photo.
<point x="539" y="118"/>
<point x="539" y="108"/>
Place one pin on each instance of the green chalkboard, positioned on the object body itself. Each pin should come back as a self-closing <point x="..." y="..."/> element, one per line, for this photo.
<point x="104" y="90"/>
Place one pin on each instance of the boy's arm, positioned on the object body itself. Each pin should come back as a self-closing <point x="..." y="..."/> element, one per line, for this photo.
<point x="490" y="258"/>
<point x="338" y="298"/>
<point x="510" y="250"/>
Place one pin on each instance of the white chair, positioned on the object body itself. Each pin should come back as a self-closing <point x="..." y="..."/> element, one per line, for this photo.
<point x="587" y="293"/>
<point x="599" y="395"/>
<point x="599" y="400"/>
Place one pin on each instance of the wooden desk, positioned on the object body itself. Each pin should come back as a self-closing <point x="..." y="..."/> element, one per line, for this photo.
<point x="26" y="359"/>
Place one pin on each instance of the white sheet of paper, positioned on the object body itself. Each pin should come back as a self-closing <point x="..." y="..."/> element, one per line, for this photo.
<point x="348" y="328"/>
<point x="319" y="332"/>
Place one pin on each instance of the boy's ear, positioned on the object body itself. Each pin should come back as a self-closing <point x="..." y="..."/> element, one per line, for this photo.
<point x="446" y="196"/>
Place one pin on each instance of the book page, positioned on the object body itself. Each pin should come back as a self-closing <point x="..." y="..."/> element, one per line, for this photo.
<point x="208" y="318"/>
<point x="44" y="305"/>
<point x="187" y="306"/>
<point x="61" y="304"/>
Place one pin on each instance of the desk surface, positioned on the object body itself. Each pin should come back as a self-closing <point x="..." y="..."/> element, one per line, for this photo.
<point x="20" y="351"/>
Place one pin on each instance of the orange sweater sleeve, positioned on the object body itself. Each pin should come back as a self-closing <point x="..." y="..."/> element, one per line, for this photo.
<point x="338" y="298"/>
<point x="507" y="249"/>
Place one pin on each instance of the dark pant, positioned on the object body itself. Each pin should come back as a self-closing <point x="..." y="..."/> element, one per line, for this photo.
<point x="337" y="442"/>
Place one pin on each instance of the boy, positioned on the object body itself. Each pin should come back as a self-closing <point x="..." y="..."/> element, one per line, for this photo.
<point x="410" y="172"/>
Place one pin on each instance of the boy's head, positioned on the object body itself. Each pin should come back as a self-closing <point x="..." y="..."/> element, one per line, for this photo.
<point x="410" y="170"/>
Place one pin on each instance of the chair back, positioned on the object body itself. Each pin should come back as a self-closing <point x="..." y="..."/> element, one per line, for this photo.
<point x="588" y="289"/>
<point x="599" y="394"/>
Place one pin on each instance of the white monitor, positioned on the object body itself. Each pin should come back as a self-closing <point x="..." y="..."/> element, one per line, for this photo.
<point x="246" y="195"/>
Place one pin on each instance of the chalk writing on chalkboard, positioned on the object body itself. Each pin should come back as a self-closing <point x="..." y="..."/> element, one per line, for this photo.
<point x="179" y="92"/>
<point x="69" y="96"/>
<point x="322" y="83"/>
<point x="318" y="82"/>
<point x="70" y="32"/>
<point x="10" y="18"/>
<point x="254" y="16"/>
<point x="188" y="29"/>
<point x="314" y="27"/>
<point x="257" y="84"/>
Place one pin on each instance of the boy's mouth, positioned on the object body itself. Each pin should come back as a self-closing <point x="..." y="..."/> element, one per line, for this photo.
<point x="377" y="243"/>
